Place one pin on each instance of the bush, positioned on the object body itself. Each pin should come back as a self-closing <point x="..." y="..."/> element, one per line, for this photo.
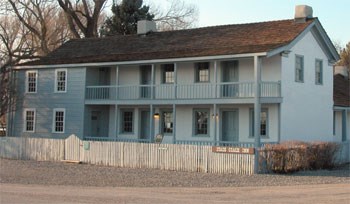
<point x="294" y="156"/>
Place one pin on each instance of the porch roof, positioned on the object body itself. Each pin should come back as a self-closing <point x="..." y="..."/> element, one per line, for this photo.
<point x="207" y="41"/>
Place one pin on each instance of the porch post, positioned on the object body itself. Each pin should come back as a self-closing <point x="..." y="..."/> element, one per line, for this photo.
<point x="257" y="109"/>
<point x="116" y="81"/>
<point x="344" y="125"/>
<point x="116" y="121"/>
<point x="175" y="80"/>
<point x="174" y="123"/>
<point x="216" y="78"/>
<point x="215" y="124"/>
<point x="152" y="83"/>
<point x="151" y="123"/>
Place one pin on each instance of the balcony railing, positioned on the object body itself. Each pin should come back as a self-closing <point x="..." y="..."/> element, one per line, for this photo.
<point x="182" y="91"/>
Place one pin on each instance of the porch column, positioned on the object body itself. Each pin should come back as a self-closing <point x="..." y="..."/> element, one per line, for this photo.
<point x="344" y="125"/>
<point x="215" y="124"/>
<point x="116" y="115"/>
<point x="174" y="123"/>
<point x="152" y="83"/>
<point x="216" y="78"/>
<point x="151" y="122"/>
<point x="175" y="80"/>
<point x="116" y="81"/>
<point x="257" y="110"/>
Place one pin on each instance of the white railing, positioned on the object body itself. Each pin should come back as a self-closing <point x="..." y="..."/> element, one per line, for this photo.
<point x="182" y="91"/>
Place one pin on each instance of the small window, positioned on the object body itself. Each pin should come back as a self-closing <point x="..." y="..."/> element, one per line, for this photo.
<point x="202" y="72"/>
<point x="263" y="123"/>
<point x="168" y="73"/>
<point x="31" y="81"/>
<point x="59" y="120"/>
<point x="127" y="121"/>
<point x="299" y="68"/>
<point x="201" y="122"/>
<point x="167" y="122"/>
<point x="61" y="80"/>
<point x="319" y="72"/>
<point x="29" y="120"/>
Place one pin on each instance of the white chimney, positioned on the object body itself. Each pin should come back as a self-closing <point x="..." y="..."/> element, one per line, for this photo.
<point x="302" y="13"/>
<point x="144" y="27"/>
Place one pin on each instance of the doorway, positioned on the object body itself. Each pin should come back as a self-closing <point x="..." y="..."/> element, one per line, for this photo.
<point x="229" y="74"/>
<point x="146" y="80"/>
<point x="96" y="124"/>
<point x="144" y="124"/>
<point x="229" y="126"/>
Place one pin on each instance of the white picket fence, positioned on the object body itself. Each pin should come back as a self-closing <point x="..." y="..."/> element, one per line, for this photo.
<point x="190" y="158"/>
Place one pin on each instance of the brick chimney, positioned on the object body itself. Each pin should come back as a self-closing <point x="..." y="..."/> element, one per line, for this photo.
<point x="144" y="27"/>
<point x="302" y="13"/>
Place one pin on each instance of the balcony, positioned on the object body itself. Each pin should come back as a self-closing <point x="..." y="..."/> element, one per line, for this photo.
<point x="231" y="90"/>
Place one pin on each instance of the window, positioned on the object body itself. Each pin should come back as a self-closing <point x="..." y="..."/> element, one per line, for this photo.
<point x="263" y="123"/>
<point x="168" y="73"/>
<point x="299" y="68"/>
<point x="31" y="81"/>
<point x="202" y="72"/>
<point x="58" y="120"/>
<point x="61" y="80"/>
<point x="167" y="122"/>
<point x="319" y="72"/>
<point x="201" y="122"/>
<point x="29" y="120"/>
<point x="127" y="121"/>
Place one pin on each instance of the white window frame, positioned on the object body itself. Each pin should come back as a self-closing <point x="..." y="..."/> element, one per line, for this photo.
<point x="195" y="124"/>
<point x="320" y="82"/>
<point x="25" y="119"/>
<point x="55" y="110"/>
<point x="56" y="80"/>
<point x="27" y="81"/>
<point x="122" y="121"/>
<point x="299" y="76"/>
<point x="251" y="123"/>
<point x="197" y="72"/>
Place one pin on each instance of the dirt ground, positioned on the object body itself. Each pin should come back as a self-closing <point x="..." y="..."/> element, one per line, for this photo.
<point x="324" y="193"/>
<point x="57" y="182"/>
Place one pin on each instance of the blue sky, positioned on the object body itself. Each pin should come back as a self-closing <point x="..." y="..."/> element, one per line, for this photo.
<point x="334" y="15"/>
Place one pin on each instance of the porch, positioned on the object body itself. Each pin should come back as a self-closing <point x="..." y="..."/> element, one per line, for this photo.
<point x="228" y="90"/>
<point x="205" y="124"/>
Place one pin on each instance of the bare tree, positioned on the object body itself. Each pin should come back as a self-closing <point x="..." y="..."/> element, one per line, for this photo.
<point x="345" y="57"/>
<point x="175" y="16"/>
<point x="83" y="16"/>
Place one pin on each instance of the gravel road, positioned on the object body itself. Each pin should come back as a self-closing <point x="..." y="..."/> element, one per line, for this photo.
<point x="58" y="173"/>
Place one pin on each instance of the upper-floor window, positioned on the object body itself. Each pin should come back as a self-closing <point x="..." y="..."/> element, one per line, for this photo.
<point x="29" y="120"/>
<point x="59" y="120"/>
<point x="299" y="68"/>
<point x="31" y="81"/>
<point x="202" y="72"/>
<point x="318" y="71"/>
<point x="168" y="73"/>
<point x="201" y="122"/>
<point x="61" y="80"/>
<point x="127" y="121"/>
<point x="263" y="123"/>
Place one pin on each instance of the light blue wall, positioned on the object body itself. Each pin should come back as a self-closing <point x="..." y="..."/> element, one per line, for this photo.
<point x="45" y="100"/>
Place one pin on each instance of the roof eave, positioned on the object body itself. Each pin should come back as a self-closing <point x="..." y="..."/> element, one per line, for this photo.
<point x="152" y="61"/>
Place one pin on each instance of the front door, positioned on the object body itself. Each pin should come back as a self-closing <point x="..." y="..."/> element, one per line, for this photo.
<point x="145" y="125"/>
<point x="229" y="126"/>
<point x="229" y="74"/>
<point x="146" y="80"/>
<point x="96" y="123"/>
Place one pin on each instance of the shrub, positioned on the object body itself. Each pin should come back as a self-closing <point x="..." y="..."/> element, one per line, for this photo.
<point x="294" y="156"/>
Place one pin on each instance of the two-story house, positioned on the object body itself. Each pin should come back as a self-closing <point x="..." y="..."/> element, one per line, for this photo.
<point x="271" y="81"/>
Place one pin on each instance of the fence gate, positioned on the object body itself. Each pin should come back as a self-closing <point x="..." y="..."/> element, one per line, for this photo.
<point x="73" y="146"/>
